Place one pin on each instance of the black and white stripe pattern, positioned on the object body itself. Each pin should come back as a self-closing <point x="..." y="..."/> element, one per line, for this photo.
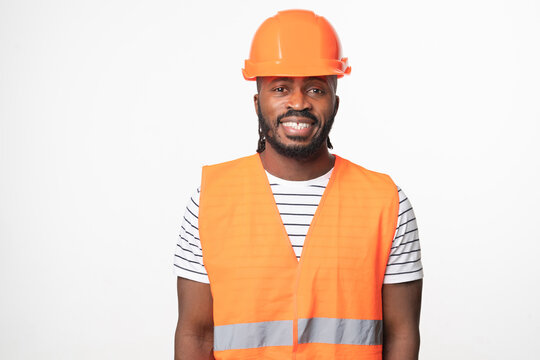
<point x="297" y="202"/>
<point x="404" y="262"/>
<point x="188" y="259"/>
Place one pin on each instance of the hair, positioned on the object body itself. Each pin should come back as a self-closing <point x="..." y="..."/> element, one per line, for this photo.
<point x="261" y="144"/>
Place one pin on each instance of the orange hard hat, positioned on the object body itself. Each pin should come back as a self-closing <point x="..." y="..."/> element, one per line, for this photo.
<point x="295" y="43"/>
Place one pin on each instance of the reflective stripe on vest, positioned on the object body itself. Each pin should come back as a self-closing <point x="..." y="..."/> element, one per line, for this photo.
<point x="252" y="335"/>
<point x="314" y="330"/>
<point x="340" y="331"/>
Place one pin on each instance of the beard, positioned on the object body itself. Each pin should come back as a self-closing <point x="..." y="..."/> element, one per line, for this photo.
<point x="299" y="152"/>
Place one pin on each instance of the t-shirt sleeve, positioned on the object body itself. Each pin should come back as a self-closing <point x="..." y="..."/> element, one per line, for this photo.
<point x="404" y="262"/>
<point x="188" y="258"/>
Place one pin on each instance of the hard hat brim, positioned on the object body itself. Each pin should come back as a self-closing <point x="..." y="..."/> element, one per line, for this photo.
<point x="253" y="70"/>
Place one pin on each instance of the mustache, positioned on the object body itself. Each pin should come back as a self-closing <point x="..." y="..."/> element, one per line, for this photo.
<point x="298" y="113"/>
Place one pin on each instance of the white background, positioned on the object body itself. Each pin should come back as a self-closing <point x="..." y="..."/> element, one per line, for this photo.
<point x="108" y="109"/>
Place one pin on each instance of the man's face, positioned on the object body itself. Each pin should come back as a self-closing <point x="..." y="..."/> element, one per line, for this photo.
<point x="296" y="113"/>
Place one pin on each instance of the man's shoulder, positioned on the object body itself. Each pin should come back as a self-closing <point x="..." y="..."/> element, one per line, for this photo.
<point x="237" y="172"/>
<point x="354" y="168"/>
<point x="232" y="164"/>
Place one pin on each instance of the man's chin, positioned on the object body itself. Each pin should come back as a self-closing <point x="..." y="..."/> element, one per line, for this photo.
<point x="298" y="140"/>
<point x="295" y="151"/>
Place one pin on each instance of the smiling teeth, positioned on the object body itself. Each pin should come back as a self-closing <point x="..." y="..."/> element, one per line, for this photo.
<point x="297" y="126"/>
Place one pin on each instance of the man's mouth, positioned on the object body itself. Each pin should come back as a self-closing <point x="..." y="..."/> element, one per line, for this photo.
<point x="296" y="125"/>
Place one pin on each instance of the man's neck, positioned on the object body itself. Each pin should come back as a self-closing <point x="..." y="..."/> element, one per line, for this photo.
<point x="293" y="169"/>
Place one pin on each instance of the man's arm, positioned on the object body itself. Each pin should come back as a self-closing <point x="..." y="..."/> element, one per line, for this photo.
<point x="401" y="316"/>
<point x="194" y="338"/>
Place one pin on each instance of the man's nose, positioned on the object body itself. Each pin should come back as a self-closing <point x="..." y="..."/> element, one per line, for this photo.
<point x="298" y="100"/>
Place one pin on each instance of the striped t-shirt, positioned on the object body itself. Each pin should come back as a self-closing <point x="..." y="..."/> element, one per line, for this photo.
<point x="297" y="202"/>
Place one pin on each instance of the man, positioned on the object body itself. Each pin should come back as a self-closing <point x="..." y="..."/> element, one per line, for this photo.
<point x="296" y="253"/>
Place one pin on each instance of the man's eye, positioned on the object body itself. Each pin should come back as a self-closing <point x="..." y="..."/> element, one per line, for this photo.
<point x="279" y="89"/>
<point x="316" y="91"/>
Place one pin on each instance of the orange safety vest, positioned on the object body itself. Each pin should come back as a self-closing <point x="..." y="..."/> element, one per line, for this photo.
<point x="268" y="305"/>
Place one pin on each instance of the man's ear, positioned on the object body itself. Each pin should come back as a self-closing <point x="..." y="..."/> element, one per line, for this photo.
<point x="256" y="102"/>
<point x="336" y="107"/>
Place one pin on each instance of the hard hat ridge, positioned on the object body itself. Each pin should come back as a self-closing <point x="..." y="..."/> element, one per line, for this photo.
<point x="295" y="43"/>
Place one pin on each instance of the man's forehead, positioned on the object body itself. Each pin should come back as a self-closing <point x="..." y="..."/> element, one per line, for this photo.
<point x="331" y="80"/>
<point x="295" y="78"/>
